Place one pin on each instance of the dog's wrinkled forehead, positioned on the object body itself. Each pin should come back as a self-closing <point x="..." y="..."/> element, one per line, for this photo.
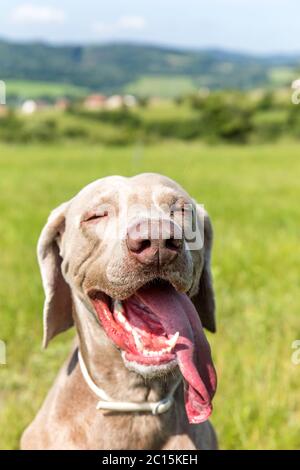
<point x="144" y="190"/>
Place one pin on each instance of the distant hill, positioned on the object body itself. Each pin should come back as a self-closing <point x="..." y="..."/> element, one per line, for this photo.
<point x="142" y="69"/>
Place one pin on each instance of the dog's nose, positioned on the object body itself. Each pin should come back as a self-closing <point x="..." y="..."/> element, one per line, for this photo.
<point x="154" y="241"/>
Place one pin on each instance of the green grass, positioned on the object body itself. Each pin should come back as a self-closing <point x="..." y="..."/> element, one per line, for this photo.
<point x="34" y="90"/>
<point x="252" y="194"/>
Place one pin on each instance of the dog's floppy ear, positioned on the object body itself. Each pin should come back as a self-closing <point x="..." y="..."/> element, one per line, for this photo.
<point x="58" y="300"/>
<point x="204" y="300"/>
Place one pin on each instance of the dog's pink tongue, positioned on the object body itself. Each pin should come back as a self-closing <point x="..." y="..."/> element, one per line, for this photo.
<point x="177" y="313"/>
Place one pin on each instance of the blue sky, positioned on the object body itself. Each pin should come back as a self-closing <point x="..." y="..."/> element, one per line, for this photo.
<point x="263" y="26"/>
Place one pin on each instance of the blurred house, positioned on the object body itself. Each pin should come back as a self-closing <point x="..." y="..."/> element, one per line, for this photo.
<point x="94" y="102"/>
<point x="99" y="102"/>
<point x="114" y="102"/>
<point x="118" y="101"/>
<point x="3" y="110"/>
<point x="130" y="101"/>
<point x="31" y="106"/>
<point x="62" y="104"/>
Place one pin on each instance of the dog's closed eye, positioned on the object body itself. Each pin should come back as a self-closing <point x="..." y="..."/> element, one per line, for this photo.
<point x="95" y="216"/>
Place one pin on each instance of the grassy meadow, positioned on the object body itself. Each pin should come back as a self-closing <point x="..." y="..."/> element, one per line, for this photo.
<point x="252" y="194"/>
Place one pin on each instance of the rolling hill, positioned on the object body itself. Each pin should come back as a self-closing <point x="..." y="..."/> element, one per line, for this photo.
<point x="141" y="69"/>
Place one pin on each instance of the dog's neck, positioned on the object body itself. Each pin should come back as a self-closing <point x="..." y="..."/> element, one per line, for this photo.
<point x="106" y="367"/>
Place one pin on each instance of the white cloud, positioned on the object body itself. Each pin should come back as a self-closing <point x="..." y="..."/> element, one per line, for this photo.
<point x="30" y="14"/>
<point x="123" y="24"/>
<point x="132" y="22"/>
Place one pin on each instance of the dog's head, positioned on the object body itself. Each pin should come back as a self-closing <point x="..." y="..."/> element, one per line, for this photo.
<point x="136" y="253"/>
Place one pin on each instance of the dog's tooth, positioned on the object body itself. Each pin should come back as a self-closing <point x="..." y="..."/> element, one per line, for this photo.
<point x="138" y="342"/>
<point x="118" y="306"/>
<point x="120" y="317"/>
<point x="165" y="350"/>
<point x="171" y="342"/>
<point x="123" y="320"/>
<point x="148" y="352"/>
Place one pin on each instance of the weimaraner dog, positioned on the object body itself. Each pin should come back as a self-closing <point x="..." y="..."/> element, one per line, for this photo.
<point x="127" y="261"/>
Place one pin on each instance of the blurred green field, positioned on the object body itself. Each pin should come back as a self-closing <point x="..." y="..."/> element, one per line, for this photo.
<point x="252" y="194"/>
<point x="164" y="86"/>
<point x="30" y="89"/>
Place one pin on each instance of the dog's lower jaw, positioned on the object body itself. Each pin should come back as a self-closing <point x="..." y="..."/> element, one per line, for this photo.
<point x="151" y="371"/>
<point x="129" y="380"/>
<point x="145" y="371"/>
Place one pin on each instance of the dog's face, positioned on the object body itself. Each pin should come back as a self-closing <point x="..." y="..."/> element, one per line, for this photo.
<point x="111" y="239"/>
<point x="129" y="250"/>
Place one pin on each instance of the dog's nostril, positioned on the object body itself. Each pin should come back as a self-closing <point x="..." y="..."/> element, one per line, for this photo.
<point x="143" y="245"/>
<point x="173" y="244"/>
<point x="137" y="245"/>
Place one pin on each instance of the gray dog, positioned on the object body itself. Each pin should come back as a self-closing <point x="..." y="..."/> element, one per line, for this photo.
<point x="127" y="261"/>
